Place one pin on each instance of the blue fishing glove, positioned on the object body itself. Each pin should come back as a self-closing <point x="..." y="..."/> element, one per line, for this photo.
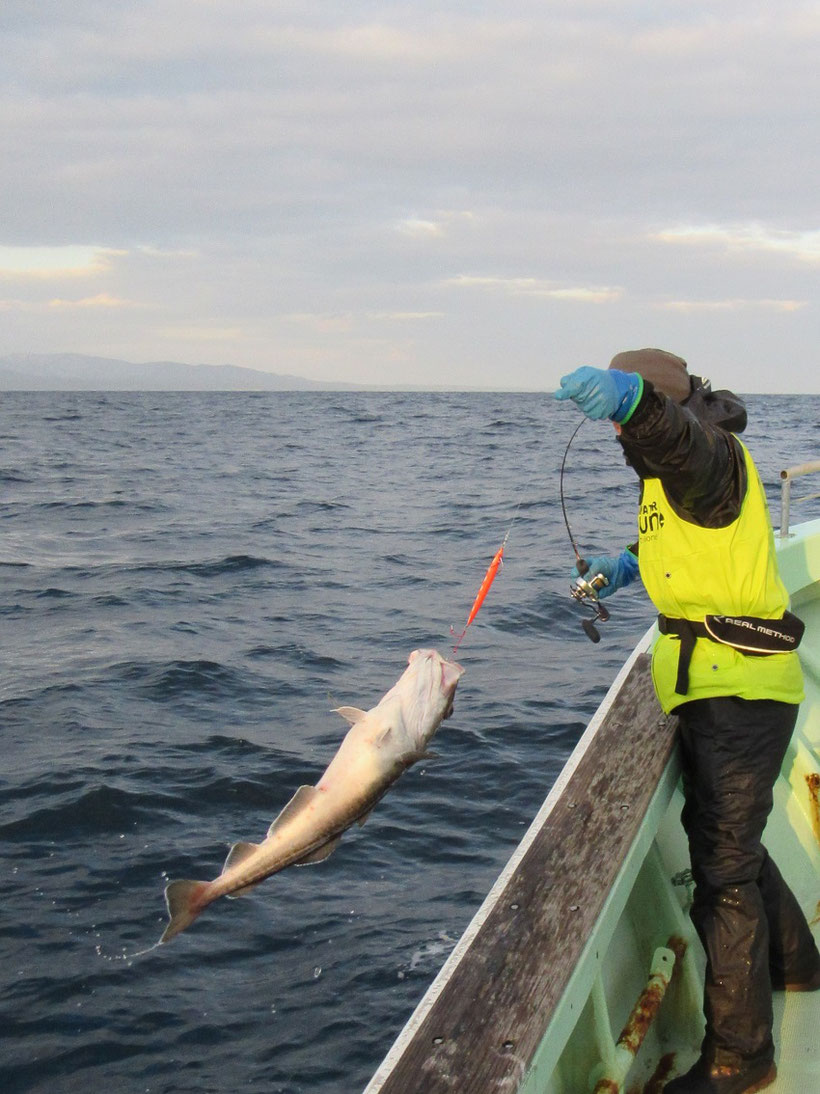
<point x="603" y="392"/>
<point x="618" y="571"/>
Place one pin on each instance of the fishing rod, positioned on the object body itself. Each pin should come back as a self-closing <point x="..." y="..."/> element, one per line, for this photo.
<point x="586" y="592"/>
<point x="583" y="590"/>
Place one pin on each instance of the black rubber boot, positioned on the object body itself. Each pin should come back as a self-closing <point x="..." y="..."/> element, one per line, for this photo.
<point x="794" y="962"/>
<point x="706" y="1078"/>
<point x="796" y="982"/>
<point x="747" y="918"/>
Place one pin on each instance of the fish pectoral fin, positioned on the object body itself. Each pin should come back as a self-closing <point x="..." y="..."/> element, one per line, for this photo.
<point x="320" y="853"/>
<point x="352" y="715"/>
<point x="363" y="818"/>
<point x="410" y="757"/>
<point x="383" y="737"/>
<point x="302" y="799"/>
<point x="238" y="854"/>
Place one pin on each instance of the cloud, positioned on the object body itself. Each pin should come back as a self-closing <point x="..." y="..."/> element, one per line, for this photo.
<point x="350" y="322"/>
<point x="420" y="229"/>
<point x="43" y="263"/>
<point x="755" y="238"/>
<point x="438" y="225"/>
<point x="731" y="305"/>
<point x="101" y="300"/>
<point x="405" y="316"/>
<point x="532" y="286"/>
<point x="380" y="42"/>
<point x="163" y="253"/>
<point x="205" y="333"/>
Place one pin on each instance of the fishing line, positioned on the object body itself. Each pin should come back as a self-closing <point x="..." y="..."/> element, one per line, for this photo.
<point x="492" y="569"/>
<point x="580" y="560"/>
<point x="586" y="592"/>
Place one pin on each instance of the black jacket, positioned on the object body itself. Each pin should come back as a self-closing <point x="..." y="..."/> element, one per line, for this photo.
<point x="700" y="463"/>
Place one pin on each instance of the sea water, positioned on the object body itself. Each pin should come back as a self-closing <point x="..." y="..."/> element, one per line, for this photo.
<point x="188" y="584"/>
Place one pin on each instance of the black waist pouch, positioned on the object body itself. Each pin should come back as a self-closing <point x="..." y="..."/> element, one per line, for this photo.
<point x="752" y="635"/>
<point x="747" y="633"/>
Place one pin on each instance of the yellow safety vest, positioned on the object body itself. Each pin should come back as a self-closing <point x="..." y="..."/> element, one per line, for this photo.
<point x="691" y="572"/>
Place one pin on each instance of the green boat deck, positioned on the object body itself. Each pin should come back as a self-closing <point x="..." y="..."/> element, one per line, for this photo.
<point x="795" y="822"/>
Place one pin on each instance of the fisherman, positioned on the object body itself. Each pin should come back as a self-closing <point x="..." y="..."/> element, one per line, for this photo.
<point x="725" y="663"/>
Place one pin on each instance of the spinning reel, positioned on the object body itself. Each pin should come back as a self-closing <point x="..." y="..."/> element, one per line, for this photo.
<point x="586" y="593"/>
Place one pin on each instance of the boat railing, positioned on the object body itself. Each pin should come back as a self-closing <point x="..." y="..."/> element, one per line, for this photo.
<point x="786" y="478"/>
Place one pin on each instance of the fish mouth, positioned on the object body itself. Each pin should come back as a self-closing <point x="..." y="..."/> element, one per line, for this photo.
<point x="437" y="685"/>
<point x="451" y="673"/>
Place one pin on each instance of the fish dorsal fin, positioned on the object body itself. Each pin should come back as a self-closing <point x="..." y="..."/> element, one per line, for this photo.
<point x="300" y="800"/>
<point x="350" y="714"/>
<point x="238" y="854"/>
<point x="320" y="853"/>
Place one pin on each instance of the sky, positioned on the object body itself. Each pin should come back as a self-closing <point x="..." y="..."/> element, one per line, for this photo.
<point x="478" y="194"/>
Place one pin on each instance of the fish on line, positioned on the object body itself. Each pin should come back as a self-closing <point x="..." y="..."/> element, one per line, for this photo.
<point x="381" y="744"/>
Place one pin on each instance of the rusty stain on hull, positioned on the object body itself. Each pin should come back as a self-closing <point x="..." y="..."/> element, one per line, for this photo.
<point x="666" y="1065"/>
<point x="645" y="1010"/>
<point x="607" y="1086"/>
<point x="643" y="1014"/>
<point x="634" y="1032"/>
<point x="813" y="783"/>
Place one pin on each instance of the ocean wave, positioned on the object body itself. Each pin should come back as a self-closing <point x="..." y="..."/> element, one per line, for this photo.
<point x="13" y="475"/>
<point x="53" y="593"/>
<point x="85" y="810"/>
<point x="230" y="564"/>
<point x="171" y="680"/>
<point x="206" y="568"/>
<point x="101" y="503"/>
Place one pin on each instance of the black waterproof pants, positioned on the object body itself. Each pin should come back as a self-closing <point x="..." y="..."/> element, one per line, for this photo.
<point x="748" y="920"/>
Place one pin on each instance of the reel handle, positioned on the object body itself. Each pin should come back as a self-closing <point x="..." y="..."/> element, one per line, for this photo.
<point x="586" y="592"/>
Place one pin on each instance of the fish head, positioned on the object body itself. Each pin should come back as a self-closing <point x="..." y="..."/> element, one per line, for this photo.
<point x="425" y="692"/>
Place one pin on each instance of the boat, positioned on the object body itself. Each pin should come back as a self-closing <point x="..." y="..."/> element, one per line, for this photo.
<point x="581" y="972"/>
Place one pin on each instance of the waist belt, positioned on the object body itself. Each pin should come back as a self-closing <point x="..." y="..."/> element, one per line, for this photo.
<point x="746" y="633"/>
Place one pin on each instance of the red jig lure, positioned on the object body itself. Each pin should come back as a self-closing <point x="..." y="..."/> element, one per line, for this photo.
<point x="489" y="578"/>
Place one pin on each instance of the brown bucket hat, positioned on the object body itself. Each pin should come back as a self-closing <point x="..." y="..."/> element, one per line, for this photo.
<point x="666" y="371"/>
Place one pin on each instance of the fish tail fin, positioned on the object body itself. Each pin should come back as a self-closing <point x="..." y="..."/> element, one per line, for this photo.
<point x="184" y="905"/>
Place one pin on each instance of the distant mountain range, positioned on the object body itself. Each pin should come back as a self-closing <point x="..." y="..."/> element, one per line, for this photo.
<point x="75" y="372"/>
